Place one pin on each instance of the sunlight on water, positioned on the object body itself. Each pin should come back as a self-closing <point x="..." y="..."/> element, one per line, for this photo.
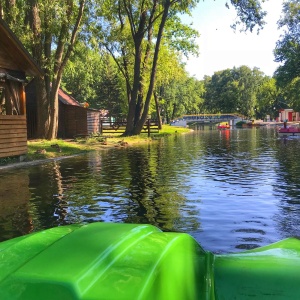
<point x="232" y="190"/>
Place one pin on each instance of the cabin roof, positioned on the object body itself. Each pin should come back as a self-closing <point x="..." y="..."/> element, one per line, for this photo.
<point x="66" y="98"/>
<point x="16" y="57"/>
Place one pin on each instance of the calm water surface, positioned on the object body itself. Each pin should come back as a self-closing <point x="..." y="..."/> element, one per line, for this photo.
<point x="232" y="190"/>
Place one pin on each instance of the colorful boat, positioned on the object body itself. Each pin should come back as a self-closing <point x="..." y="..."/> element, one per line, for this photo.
<point x="223" y="125"/>
<point x="129" y="261"/>
<point x="289" y="130"/>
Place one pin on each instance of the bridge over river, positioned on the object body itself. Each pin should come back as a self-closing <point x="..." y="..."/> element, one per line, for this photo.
<point x="231" y="118"/>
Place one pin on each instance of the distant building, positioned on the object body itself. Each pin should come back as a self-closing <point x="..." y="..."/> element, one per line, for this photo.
<point x="74" y="119"/>
<point x="288" y="114"/>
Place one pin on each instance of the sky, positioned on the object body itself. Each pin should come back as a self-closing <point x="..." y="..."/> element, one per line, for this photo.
<point x="221" y="47"/>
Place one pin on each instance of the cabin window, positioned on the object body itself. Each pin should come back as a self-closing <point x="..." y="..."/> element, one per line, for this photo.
<point x="10" y="98"/>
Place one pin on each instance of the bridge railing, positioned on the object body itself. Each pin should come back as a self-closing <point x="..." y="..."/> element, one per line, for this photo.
<point x="212" y="117"/>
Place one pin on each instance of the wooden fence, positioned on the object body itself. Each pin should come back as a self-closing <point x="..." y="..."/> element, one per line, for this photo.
<point x="107" y="127"/>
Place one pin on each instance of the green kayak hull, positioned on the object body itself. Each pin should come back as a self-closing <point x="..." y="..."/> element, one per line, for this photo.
<point x="131" y="261"/>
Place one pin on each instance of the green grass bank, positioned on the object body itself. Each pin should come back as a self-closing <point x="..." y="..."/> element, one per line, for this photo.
<point x="44" y="149"/>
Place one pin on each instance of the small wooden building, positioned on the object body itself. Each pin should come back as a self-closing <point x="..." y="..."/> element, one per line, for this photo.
<point x="73" y="120"/>
<point x="15" y="64"/>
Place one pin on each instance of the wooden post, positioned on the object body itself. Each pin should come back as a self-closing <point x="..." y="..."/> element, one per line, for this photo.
<point x="101" y="127"/>
<point x="148" y="127"/>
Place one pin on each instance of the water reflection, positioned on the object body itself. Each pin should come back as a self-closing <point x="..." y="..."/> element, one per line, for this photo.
<point x="232" y="190"/>
<point x="288" y="186"/>
<point x="15" y="219"/>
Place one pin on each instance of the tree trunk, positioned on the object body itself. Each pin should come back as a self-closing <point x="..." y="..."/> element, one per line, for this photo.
<point x="138" y="111"/>
<point x="42" y="94"/>
<point x="54" y="105"/>
<point x="157" y="111"/>
<point x="167" y="117"/>
<point x="5" y="8"/>
<point x="139" y="126"/>
<point x="174" y="111"/>
<point x="43" y="112"/>
<point x="60" y="63"/>
<point x="138" y="38"/>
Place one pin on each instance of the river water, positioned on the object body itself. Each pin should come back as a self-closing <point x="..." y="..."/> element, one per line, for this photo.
<point x="231" y="190"/>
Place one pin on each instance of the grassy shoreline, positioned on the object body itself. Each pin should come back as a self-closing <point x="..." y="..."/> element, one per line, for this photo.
<point x="39" y="150"/>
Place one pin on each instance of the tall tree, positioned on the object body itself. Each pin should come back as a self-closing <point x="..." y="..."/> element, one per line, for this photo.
<point x="268" y="98"/>
<point x="49" y="28"/>
<point x="182" y="95"/>
<point x="291" y="95"/>
<point x="287" y="50"/>
<point x="248" y="84"/>
<point x="169" y="71"/>
<point x="93" y="77"/>
<point x="81" y="77"/>
<point x="110" y="90"/>
<point x="133" y="35"/>
<point x="233" y="90"/>
<point x="221" y="92"/>
<point x="132" y="31"/>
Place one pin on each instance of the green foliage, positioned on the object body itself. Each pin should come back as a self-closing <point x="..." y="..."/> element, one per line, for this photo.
<point x="81" y="76"/>
<point x="240" y="123"/>
<point x="182" y="95"/>
<point x="250" y="14"/>
<point x="180" y="37"/>
<point x="287" y="50"/>
<point x="9" y="160"/>
<point x="135" y="29"/>
<point x="268" y="99"/>
<point x="291" y="94"/>
<point x="233" y="90"/>
<point x="92" y="77"/>
<point x="111" y="95"/>
<point x="221" y="92"/>
<point x="146" y="41"/>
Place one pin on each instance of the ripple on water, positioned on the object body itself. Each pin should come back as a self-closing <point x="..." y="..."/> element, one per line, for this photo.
<point x="231" y="191"/>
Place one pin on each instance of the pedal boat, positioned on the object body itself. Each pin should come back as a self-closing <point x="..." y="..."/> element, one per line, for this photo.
<point x="289" y="130"/>
<point x="131" y="261"/>
<point x="223" y="125"/>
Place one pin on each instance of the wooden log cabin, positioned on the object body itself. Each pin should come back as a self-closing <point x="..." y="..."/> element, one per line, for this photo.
<point x="73" y="120"/>
<point x="15" y="64"/>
